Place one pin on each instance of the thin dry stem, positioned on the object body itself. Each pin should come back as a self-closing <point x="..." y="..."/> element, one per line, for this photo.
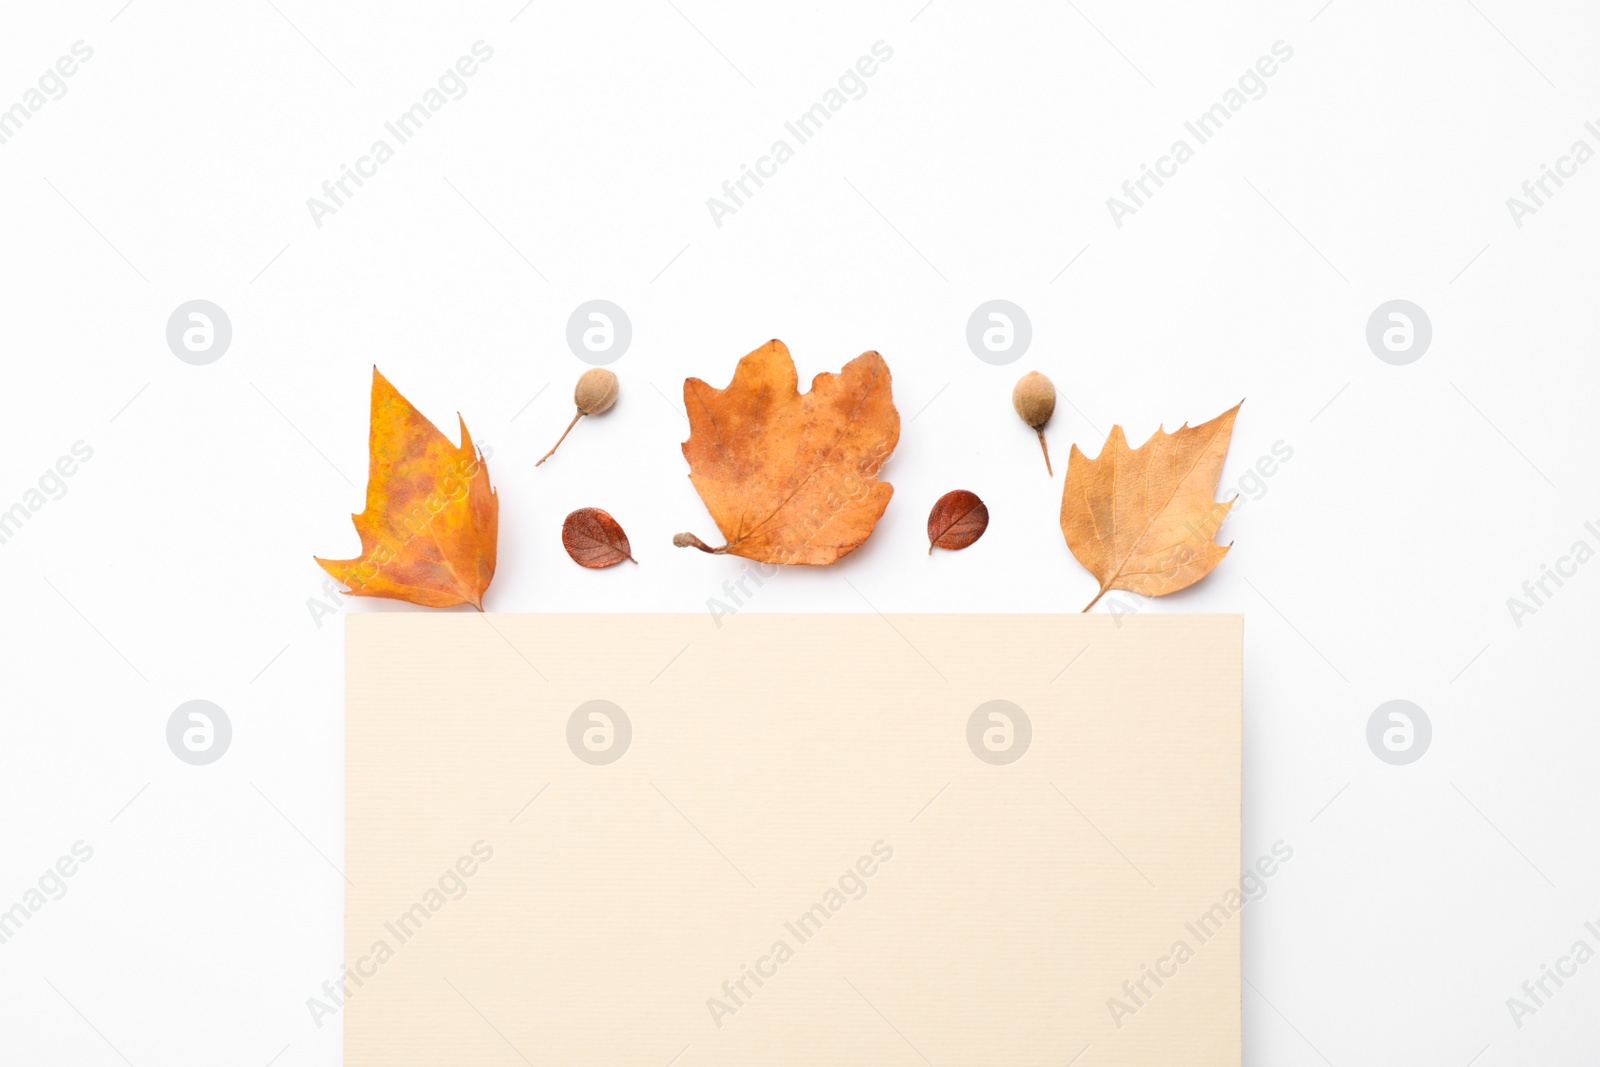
<point x="1046" y="449"/>
<point x="563" y="437"/>
<point x="1096" y="599"/>
<point x="689" y="540"/>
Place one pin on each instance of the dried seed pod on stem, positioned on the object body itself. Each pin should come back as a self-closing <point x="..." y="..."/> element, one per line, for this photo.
<point x="1034" y="399"/>
<point x="596" y="392"/>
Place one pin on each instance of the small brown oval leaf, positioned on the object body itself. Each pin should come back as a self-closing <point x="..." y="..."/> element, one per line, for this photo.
<point x="957" y="520"/>
<point x="594" y="539"/>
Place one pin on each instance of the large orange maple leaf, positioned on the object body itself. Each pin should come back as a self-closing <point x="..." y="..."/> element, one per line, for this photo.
<point x="429" y="532"/>
<point x="791" y="478"/>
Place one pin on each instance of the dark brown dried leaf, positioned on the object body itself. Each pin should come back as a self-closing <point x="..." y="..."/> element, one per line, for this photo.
<point x="957" y="520"/>
<point x="594" y="539"/>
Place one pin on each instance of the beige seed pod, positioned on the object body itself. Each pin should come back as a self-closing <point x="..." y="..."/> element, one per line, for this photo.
<point x="1034" y="399"/>
<point x="596" y="391"/>
<point x="595" y="394"/>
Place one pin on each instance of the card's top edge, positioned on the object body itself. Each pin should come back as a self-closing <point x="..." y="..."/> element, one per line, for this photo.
<point x="364" y="618"/>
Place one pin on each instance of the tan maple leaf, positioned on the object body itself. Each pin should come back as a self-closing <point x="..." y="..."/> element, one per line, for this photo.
<point x="1144" y="519"/>
<point x="791" y="478"/>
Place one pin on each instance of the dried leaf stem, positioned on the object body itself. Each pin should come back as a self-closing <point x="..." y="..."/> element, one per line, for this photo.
<point x="689" y="540"/>
<point x="563" y="437"/>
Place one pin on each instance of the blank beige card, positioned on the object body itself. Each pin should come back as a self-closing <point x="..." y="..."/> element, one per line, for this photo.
<point x="844" y="840"/>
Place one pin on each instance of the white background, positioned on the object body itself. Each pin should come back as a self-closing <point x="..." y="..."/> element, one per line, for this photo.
<point x="1375" y="564"/>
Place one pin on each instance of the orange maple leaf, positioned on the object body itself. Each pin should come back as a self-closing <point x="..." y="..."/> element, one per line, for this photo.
<point x="791" y="478"/>
<point x="429" y="532"/>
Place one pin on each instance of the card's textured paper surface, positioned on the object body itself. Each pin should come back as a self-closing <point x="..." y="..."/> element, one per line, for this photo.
<point x="792" y="840"/>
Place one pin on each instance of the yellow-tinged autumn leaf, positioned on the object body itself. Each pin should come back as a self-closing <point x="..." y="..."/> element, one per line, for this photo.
<point x="1144" y="519"/>
<point x="791" y="478"/>
<point x="429" y="531"/>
